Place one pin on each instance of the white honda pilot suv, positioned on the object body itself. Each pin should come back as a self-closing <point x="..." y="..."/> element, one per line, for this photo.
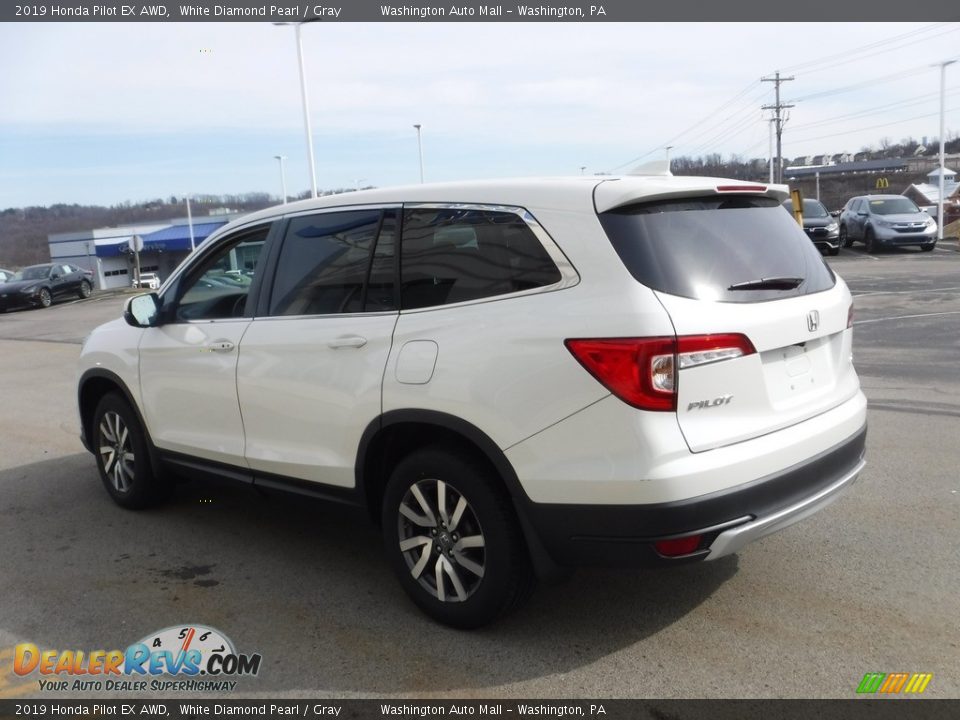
<point x="514" y="377"/>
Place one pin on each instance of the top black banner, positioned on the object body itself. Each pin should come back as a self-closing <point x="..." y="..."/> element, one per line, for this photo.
<point x="470" y="11"/>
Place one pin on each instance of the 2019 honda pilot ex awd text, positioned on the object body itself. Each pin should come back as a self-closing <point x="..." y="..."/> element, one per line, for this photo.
<point x="513" y="377"/>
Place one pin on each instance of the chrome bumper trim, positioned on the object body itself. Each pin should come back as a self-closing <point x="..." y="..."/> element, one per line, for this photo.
<point x="730" y="541"/>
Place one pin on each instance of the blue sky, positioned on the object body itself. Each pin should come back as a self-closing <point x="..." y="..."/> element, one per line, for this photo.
<point x="105" y="113"/>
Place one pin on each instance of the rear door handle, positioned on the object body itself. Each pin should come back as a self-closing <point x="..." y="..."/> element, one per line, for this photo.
<point x="220" y="346"/>
<point x="352" y="341"/>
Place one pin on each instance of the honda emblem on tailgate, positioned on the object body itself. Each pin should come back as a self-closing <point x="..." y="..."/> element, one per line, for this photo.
<point x="813" y="320"/>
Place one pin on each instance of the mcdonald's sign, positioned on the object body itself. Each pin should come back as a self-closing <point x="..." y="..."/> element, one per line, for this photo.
<point x="882" y="183"/>
<point x="894" y="683"/>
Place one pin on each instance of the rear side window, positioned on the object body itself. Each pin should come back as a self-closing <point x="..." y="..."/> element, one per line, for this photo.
<point x="325" y="262"/>
<point x="453" y="255"/>
<point x="703" y="248"/>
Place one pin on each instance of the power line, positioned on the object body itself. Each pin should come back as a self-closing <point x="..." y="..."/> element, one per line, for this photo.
<point x="874" y="127"/>
<point x="672" y="140"/>
<point x="907" y="102"/>
<point x="865" y="83"/>
<point x="831" y="61"/>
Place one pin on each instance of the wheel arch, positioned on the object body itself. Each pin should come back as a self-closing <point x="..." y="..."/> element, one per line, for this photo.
<point x="396" y="433"/>
<point x="93" y="385"/>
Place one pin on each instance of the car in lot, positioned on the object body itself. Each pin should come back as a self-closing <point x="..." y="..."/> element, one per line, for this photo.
<point x="147" y="280"/>
<point x="819" y="225"/>
<point x="513" y="377"/>
<point x="42" y="285"/>
<point x="880" y="221"/>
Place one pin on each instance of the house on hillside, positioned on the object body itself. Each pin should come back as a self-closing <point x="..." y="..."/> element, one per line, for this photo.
<point x="927" y="195"/>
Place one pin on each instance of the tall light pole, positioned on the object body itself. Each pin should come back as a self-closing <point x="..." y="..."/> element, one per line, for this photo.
<point x="193" y="244"/>
<point x="420" y="150"/>
<point x="943" y="85"/>
<point x="306" y="108"/>
<point x="283" y="177"/>
<point x="668" y="149"/>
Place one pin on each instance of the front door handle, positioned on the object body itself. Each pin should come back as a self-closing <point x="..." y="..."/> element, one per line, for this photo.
<point x="220" y="346"/>
<point x="352" y="341"/>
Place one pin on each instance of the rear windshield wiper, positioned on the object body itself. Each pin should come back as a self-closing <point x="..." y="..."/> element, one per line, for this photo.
<point x="774" y="283"/>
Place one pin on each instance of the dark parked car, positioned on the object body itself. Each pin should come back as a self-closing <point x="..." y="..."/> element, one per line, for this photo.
<point x="886" y="221"/>
<point x="40" y="285"/>
<point x="821" y="227"/>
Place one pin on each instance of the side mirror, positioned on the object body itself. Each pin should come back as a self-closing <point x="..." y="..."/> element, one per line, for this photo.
<point x="55" y="276"/>
<point x="834" y="213"/>
<point x="142" y="311"/>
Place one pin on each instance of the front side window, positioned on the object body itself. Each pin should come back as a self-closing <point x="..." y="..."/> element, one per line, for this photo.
<point x="453" y="255"/>
<point x="325" y="262"/>
<point x="218" y="288"/>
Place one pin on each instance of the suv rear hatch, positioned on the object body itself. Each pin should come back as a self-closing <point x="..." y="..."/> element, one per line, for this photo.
<point x="728" y="263"/>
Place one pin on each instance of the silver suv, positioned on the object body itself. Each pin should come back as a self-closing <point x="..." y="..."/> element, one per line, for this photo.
<point x="886" y="221"/>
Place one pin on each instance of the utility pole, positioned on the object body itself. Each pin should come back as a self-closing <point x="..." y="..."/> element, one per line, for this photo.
<point x="778" y="107"/>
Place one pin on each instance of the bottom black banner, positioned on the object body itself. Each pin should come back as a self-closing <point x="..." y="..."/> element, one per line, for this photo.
<point x="867" y="709"/>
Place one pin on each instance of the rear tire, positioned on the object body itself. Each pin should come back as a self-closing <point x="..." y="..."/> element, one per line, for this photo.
<point x="123" y="455"/>
<point x="451" y="534"/>
<point x="85" y="289"/>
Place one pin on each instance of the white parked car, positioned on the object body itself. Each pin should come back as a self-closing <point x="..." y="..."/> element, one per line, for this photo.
<point x="147" y="280"/>
<point x="514" y="377"/>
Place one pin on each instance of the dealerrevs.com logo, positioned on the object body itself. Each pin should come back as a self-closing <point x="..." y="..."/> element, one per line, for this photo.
<point x="184" y="657"/>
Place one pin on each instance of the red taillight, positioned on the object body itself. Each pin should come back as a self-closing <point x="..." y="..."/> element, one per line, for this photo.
<point x="678" y="546"/>
<point x="741" y="188"/>
<point x="643" y="371"/>
<point x="639" y="371"/>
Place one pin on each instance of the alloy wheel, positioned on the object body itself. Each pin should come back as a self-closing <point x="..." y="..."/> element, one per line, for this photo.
<point x="116" y="451"/>
<point x="441" y="540"/>
<point x="45" y="299"/>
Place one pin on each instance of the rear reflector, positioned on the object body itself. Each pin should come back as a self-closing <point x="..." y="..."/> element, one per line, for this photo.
<point x="643" y="371"/>
<point x="678" y="546"/>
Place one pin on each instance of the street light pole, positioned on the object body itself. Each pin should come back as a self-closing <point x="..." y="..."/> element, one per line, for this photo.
<point x="943" y="84"/>
<point x="193" y="245"/>
<point x="306" y="107"/>
<point x="420" y="150"/>
<point x="283" y="177"/>
<point x="669" y="148"/>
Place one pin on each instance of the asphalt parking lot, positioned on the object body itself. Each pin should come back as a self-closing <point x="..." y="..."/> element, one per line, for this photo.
<point x="868" y="585"/>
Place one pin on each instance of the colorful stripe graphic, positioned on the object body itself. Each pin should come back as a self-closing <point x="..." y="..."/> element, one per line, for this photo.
<point x="894" y="683"/>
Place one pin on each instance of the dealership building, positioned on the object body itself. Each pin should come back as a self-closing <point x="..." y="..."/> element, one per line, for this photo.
<point x="107" y="251"/>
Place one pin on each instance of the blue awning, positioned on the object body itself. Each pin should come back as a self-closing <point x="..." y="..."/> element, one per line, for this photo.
<point x="177" y="237"/>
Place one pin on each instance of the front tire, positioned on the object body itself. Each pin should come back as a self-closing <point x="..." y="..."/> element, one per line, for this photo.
<point x="123" y="456"/>
<point x="928" y="247"/>
<point x="845" y="240"/>
<point x="46" y="299"/>
<point x="453" y="539"/>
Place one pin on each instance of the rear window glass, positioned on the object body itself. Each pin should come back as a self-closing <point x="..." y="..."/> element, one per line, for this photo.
<point x="718" y="248"/>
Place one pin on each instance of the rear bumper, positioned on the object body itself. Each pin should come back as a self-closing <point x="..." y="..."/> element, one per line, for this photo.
<point x="624" y="535"/>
